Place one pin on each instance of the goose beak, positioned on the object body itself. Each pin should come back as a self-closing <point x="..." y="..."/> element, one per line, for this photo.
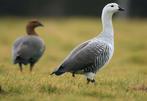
<point x="121" y="9"/>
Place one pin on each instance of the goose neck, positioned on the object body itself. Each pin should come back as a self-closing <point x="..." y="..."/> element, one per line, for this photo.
<point x="107" y="22"/>
<point x="31" y="30"/>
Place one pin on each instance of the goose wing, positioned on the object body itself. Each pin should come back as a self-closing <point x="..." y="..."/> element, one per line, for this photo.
<point x="28" y="49"/>
<point x="92" y="55"/>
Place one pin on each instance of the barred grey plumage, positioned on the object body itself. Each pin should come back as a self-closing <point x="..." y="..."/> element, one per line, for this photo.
<point x="102" y="54"/>
<point x="93" y="54"/>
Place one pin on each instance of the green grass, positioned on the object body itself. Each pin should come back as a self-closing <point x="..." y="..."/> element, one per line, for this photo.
<point x="124" y="79"/>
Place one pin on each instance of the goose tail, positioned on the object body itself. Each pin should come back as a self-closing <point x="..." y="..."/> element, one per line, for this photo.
<point x="58" y="71"/>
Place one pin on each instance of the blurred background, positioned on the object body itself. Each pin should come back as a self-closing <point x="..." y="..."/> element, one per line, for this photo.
<point x="45" y="8"/>
<point x="67" y="23"/>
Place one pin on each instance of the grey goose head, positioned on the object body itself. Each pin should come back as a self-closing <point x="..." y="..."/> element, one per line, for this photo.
<point x="30" y="28"/>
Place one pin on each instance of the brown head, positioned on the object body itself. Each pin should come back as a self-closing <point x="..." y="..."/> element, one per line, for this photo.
<point x="30" y="28"/>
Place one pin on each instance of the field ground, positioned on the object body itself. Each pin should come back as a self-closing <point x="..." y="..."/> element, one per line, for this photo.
<point x="124" y="79"/>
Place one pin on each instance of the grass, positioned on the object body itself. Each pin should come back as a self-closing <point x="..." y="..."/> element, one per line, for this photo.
<point x="125" y="78"/>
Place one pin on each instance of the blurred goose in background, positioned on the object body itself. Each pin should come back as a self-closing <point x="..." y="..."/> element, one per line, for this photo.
<point x="92" y="55"/>
<point x="28" y="49"/>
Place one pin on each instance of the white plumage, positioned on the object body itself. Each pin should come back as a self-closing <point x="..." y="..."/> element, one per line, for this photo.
<point x="88" y="57"/>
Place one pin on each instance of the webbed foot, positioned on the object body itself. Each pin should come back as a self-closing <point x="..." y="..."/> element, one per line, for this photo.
<point x="89" y="80"/>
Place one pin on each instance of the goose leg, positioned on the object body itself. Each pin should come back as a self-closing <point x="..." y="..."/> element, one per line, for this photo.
<point x="90" y="77"/>
<point x="93" y="81"/>
<point x="31" y="66"/>
<point x="88" y="80"/>
<point x="20" y="67"/>
<point x="0" y="88"/>
<point x="73" y="74"/>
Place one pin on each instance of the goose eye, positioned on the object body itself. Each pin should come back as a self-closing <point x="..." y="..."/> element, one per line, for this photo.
<point x="112" y="6"/>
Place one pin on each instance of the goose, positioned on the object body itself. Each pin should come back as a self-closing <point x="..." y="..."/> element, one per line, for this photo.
<point x="29" y="48"/>
<point x="90" y="56"/>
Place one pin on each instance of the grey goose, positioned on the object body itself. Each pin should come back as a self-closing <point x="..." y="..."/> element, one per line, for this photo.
<point x="29" y="48"/>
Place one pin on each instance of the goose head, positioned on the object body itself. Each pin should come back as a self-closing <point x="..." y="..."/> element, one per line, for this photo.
<point x="34" y="24"/>
<point x="112" y="8"/>
<point x="30" y="28"/>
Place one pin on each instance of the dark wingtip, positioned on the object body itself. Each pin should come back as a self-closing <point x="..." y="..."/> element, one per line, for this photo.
<point x="52" y="73"/>
<point x="57" y="72"/>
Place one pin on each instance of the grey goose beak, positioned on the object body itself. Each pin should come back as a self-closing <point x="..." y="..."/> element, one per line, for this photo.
<point x="121" y="9"/>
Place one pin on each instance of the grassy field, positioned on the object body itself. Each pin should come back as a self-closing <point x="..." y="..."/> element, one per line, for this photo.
<point x="124" y="79"/>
